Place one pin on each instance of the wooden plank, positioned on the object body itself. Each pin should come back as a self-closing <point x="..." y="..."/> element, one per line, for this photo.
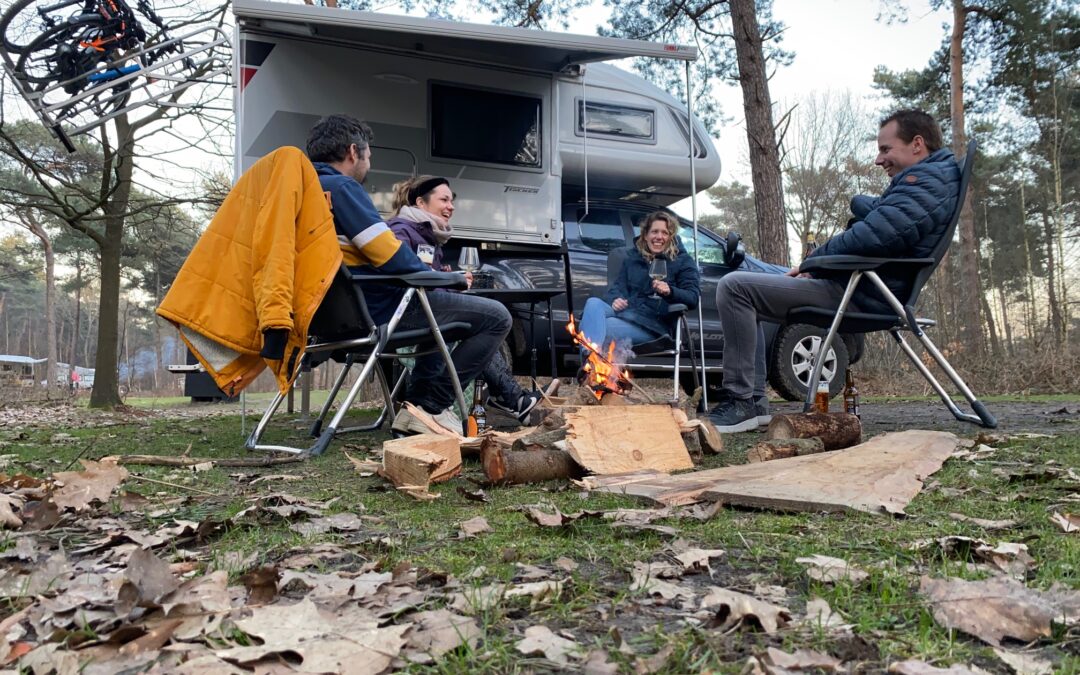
<point x="618" y="439"/>
<point x="881" y="475"/>
<point x="426" y="458"/>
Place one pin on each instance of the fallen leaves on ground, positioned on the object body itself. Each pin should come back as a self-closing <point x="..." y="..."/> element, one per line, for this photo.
<point x="1068" y="522"/>
<point x="988" y="525"/>
<point x="1008" y="557"/>
<point x="733" y="609"/>
<point x="474" y="526"/>
<point x="830" y="570"/>
<point x="95" y="483"/>
<point x="916" y="667"/>
<point x="540" y="641"/>
<point x="999" y="607"/>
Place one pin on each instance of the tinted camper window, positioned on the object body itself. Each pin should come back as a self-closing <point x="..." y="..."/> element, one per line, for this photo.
<point x="485" y="126"/>
<point x="616" y="120"/>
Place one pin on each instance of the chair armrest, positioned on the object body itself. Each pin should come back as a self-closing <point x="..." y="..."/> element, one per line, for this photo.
<point x="851" y="263"/>
<point x="677" y="308"/>
<point x="426" y="279"/>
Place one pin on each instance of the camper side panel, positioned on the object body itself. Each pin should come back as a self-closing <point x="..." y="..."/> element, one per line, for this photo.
<point x="488" y="130"/>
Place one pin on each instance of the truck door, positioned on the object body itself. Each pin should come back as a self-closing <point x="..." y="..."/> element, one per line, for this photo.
<point x="711" y="260"/>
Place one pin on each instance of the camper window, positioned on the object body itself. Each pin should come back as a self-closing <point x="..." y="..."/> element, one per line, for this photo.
<point x="610" y="119"/>
<point x="485" y="126"/>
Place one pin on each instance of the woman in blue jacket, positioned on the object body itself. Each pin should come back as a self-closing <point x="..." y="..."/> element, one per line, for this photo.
<point x="629" y="314"/>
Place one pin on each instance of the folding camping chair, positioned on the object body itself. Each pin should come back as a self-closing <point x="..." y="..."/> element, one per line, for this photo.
<point x="663" y="345"/>
<point x="903" y="317"/>
<point x="342" y="330"/>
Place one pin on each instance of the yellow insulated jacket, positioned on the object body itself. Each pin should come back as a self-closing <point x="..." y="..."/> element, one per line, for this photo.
<point x="264" y="262"/>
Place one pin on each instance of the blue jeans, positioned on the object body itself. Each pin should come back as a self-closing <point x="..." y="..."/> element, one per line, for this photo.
<point x="601" y="324"/>
<point x="429" y="384"/>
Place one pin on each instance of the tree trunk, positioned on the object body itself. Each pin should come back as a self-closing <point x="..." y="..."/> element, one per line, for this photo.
<point x="970" y="290"/>
<point x="1055" y="317"/>
<point x="106" y="392"/>
<point x="78" y="313"/>
<point x="760" y="133"/>
<point x="52" y="354"/>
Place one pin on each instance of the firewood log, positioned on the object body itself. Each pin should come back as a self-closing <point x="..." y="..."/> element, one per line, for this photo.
<point x="836" y="430"/>
<point x="540" y="440"/>
<point x="507" y="467"/>
<point x="779" y="449"/>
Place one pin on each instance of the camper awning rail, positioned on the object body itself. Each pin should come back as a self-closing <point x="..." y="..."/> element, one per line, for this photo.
<point x="514" y="47"/>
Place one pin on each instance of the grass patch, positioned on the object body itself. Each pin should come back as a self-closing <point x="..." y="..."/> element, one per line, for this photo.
<point x="890" y="621"/>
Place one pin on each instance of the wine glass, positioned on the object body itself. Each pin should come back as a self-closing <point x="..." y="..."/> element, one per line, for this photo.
<point x="469" y="260"/>
<point x="657" y="272"/>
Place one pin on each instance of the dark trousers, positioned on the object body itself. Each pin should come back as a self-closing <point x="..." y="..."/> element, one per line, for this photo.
<point x="429" y="384"/>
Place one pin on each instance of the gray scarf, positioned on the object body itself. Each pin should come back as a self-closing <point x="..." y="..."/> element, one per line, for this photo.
<point x="440" y="227"/>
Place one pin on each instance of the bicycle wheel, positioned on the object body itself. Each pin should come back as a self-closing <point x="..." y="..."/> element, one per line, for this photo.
<point x="21" y="24"/>
<point x="54" y="56"/>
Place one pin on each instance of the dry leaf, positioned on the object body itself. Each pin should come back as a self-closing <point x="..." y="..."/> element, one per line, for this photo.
<point x="830" y="570"/>
<point x="364" y="467"/>
<point x="596" y="663"/>
<point x="915" y="667"/>
<point x="474" y="495"/>
<point x="9" y="504"/>
<point x="566" y="564"/>
<point x="1068" y="522"/>
<point x="557" y="519"/>
<point x="820" y="615"/>
<point x="539" y="591"/>
<point x="650" y="664"/>
<point x="1013" y="559"/>
<point x="539" y="640"/>
<point x="474" y="526"/>
<point x="1025" y="663"/>
<point x="339" y="522"/>
<point x="988" y="525"/>
<point x="438" y="632"/>
<point x="733" y="608"/>
<point x="697" y="559"/>
<point x="991" y="609"/>
<point x="802" y="659"/>
<point x="95" y="483"/>
<point x="261" y="584"/>
<point x="147" y="580"/>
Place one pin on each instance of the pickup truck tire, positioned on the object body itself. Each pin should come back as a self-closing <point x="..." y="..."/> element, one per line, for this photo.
<point x="790" y="364"/>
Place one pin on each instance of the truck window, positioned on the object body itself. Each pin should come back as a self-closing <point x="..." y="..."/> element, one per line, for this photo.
<point x="485" y="126"/>
<point x="601" y="230"/>
<point x="709" y="251"/>
<point x="612" y="119"/>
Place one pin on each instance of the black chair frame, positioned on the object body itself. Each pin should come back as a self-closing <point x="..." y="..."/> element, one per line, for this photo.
<point x="903" y="317"/>
<point x="343" y="330"/>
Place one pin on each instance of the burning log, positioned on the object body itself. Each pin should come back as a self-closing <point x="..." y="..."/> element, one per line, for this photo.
<point x="766" y="451"/>
<point x="603" y="374"/>
<point x="836" y="430"/>
<point x="509" y="467"/>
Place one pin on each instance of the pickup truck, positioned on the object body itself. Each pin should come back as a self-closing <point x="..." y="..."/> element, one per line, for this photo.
<point x="613" y="224"/>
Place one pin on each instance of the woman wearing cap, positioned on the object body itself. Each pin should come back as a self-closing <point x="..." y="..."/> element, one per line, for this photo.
<point x="424" y="206"/>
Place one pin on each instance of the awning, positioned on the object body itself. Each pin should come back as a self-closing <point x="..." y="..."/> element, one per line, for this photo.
<point x="512" y="47"/>
<point x="20" y="360"/>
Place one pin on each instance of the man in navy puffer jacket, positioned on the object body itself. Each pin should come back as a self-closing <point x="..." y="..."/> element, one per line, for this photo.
<point x="906" y="221"/>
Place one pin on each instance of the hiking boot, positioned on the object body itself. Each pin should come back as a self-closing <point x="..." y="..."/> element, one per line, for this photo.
<point x="761" y="408"/>
<point x="520" y="408"/>
<point x="734" y="414"/>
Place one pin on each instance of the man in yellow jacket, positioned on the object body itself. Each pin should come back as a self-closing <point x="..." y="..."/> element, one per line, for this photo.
<point x="338" y="146"/>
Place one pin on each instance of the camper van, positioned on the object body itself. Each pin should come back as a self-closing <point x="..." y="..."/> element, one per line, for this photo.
<point x="554" y="154"/>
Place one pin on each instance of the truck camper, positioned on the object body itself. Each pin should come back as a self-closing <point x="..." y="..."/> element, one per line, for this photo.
<point x="553" y="153"/>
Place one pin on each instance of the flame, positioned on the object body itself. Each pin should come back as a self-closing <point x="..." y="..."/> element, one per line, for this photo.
<point x="604" y="374"/>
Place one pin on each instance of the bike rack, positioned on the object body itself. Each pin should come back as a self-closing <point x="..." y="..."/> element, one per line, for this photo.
<point x="206" y="57"/>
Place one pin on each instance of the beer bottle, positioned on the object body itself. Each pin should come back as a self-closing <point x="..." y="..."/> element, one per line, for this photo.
<point x="851" y="395"/>
<point x="821" y="398"/>
<point x="477" y="423"/>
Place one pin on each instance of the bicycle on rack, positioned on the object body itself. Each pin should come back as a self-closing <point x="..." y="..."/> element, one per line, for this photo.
<point x="80" y="48"/>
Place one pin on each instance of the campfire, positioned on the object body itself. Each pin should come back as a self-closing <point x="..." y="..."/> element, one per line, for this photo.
<point x="604" y="374"/>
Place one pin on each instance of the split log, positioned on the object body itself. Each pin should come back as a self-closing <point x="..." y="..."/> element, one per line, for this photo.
<point x="507" y="467"/>
<point x="617" y="439"/>
<point x="421" y="460"/>
<point x="710" y="437"/>
<point x="836" y="430"/>
<point x="779" y="449"/>
<point x="692" y="442"/>
<point x="539" y="440"/>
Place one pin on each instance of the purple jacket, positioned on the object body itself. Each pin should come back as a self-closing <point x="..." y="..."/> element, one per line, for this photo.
<point x="413" y="234"/>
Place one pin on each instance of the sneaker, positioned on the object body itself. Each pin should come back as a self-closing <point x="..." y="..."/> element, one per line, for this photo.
<point x="734" y="414"/>
<point x="407" y="424"/>
<point x="449" y="420"/>
<point x="521" y="408"/>
<point x="761" y="407"/>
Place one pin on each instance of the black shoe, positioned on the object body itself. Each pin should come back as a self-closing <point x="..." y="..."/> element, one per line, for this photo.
<point x="734" y="414"/>
<point x="520" y="408"/>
